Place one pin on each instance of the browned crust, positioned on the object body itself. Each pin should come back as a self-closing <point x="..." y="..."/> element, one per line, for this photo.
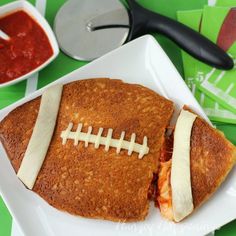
<point x="212" y="158"/>
<point x="85" y="181"/>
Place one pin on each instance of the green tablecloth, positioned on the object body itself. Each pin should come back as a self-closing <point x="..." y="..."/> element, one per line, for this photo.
<point x="63" y="65"/>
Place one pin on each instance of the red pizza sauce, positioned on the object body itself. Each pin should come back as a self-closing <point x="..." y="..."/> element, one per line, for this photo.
<point x="27" y="48"/>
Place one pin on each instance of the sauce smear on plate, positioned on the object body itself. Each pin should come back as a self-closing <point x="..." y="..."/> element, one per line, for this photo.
<point x="27" y="48"/>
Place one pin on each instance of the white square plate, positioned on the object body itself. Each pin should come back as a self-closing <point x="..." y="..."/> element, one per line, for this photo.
<point x="144" y="62"/>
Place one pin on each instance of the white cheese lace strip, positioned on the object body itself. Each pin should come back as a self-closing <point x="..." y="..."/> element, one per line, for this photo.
<point x="131" y="146"/>
<point x="98" y="139"/>
<point x="88" y="135"/>
<point x="67" y="132"/>
<point x="108" y="140"/>
<point x="144" y="148"/>
<point x="122" y="136"/>
<point x="77" y="134"/>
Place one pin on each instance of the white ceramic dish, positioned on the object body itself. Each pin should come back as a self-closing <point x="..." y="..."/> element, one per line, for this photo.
<point x="34" y="13"/>
<point x="144" y="62"/>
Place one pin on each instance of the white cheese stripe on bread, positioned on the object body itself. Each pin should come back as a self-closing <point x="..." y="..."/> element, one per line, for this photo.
<point x="182" y="200"/>
<point x="41" y="136"/>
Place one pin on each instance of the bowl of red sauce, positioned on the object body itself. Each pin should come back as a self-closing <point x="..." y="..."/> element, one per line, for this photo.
<point x="32" y="44"/>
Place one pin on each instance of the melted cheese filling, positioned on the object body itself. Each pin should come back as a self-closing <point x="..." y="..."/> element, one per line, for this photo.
<point x="174" y="179"/>
<point x="164" y="189"/>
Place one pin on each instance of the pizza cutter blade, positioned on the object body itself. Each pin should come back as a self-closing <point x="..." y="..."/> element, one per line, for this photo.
<point x="75" y="27"/>
<point x="88" y="29"/>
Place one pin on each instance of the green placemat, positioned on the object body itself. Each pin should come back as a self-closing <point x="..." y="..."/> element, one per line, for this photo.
<point x="219" y="85"/>
<point x="63" y="65"/>
<point x="213" y="109"/>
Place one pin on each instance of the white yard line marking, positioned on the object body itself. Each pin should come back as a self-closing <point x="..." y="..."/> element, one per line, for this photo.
<point x="229" y="89"/>
<point x="220" y="113"/>
<point x="216" y="106"/>
<point x="208" y="75"/>
<point x="211" y="2"/>
<point x="32" y="82"/>
<point x="222" y="95"/>
<point x="193" y="89"/>
<point x="41" y="6"/>
<point x="202" y="98"/>
<point x="31" y="86"/>
<point x="219" y="77"/>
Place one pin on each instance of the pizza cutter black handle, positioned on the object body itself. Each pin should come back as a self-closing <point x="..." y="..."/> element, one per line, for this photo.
<point x="144" y="21"/>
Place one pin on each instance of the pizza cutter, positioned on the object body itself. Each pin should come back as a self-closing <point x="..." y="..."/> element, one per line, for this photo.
<point x="88" y="29"/>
